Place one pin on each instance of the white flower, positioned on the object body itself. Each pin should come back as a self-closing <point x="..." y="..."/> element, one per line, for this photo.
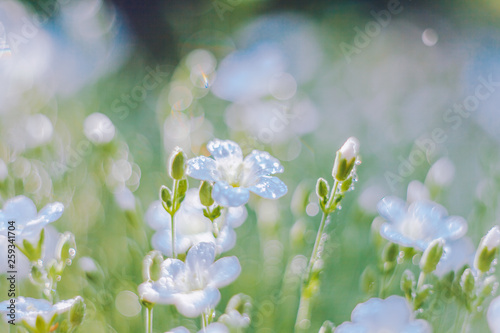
<point x="125" y="198"/>
<point x="493" y="315"/>
<point x="192" y="226"/>
<point x="350" y="149"/>
<point x="98" y="128"/>
<point x="28" y="309"/>
<point x="492" y="239"/>
<point x="441" y="173"/>
<point x="234" y="176"/>
<point x="417" y="192"/>
<point x="392" y="314"/>
<point x="192" y="286"/>
<point x="212" y="328"/>
<point x="456" y="254"/>
<point x="28" y="223"/>
<point x="418" y="224"/>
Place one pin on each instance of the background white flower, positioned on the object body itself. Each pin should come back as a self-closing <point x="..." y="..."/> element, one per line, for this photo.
<point x="376" y="315"/>
<point x="28" y="223"/>
<point x="418" y="224"/>
<point x="493" y="315"/>
<point x="234" y="176"/>
<point x="192" y="286"/>
<point x="456" y="254"/>
<point x="212" y="328"/>
<point x="192" y="226"/>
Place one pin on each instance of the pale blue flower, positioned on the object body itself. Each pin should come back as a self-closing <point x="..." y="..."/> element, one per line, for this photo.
<point x="493" y="315"/>
<point x="28" y="223"/>
<point x="418" y="224"/>
<point x="192" y="226"/>
<point x="392" y="314"/>
<point x="28" y="309"/>
<point x="192" y="286"/>
<point x="235" y="177"/>
<point x="456" y="254"/>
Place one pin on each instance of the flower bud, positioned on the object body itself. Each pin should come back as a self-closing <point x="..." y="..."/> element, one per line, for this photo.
<point x="368" y="280"/>
<point x="182" y="188"/>
<point x="407" y="283"/>
<point x="345" y="159"/>
<point x="206" y="194"/>
<point x="431" y="256"/>
<point x="490" y="285"/>
<point x="177" y="164"/>
<point x="390" y="252"/>
<point x="151" y="266"/>
<point x="77" y="312"/>
<point x="467" y="282"/>
<point x="322" y="188"/>
<point x="66" y="248"/>
<point x="327" y="327"/>
<point x="166" y="197"/>
<point x="487" y="250"/>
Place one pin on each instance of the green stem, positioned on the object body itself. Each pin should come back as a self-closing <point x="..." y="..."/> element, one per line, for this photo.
<point x="421" y="279"/>
<point x="304" y="311"/>
<point x="149" y="319"/>
<point x="172" y="214"/>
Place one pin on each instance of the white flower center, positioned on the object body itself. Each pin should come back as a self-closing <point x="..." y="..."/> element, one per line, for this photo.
<point x="413" y="228"/>
<point x="231" y="171"/>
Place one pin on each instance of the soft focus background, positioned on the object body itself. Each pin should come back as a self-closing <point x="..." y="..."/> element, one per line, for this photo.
<point x="95" y="94"/>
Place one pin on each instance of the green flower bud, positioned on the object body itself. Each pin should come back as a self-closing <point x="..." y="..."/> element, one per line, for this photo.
<point x="490" y="285"/>
<point x="407" y="283"/>
<point x="322" y="188"/>
<point x="151" y="266"/>
<point x="66" y="248"/>
<point x="390" y="252"/>
<point x="431" y="256"/>
<point x="368" y="280"/>
<point x="182" y="188"/>
<point x="206" y="193"/>
<point x="346" y="185"/>
<point x="345" y="159"/>
<point x="41" y="325"/>
<point x="166" y="197"/>
<point x="77" y="312"/>
<point x="422" y="295"/>
<point x="487" y="250"/>
<point x="467" y="282"/>
<point x="177" y="164"/>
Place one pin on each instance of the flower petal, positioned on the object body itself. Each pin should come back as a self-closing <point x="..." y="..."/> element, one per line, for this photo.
<point x="493" y="315"/>
<point x="222" y="149"/>
<point x="235" y="216"/>
<point x="224" y="271"/>
<point x="200" y="257"/>
<point x="228" y="196"/>
<point x="269" y="187"/>
<point x="349" y="327"/>
<point x="389" y="232"/>
<point x="202" y="168"/>
<point x="157" y="217"/>
<point x="392" y="208"/>
<point x="226" y="239"/>
<point x="192" y="304"/>
<point x="162" y="240"/>
<point x="51" y="212"/>
<point x="261" y="163"/>
<point x="20" y="208"/>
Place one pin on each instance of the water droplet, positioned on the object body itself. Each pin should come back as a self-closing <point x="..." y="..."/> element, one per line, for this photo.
<point x="69" y="262"/>
<point x="39" y="262"/>
<point x="72" y="253"/>
<point x="339" y="207"/>
<point x="58" y="278"/>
